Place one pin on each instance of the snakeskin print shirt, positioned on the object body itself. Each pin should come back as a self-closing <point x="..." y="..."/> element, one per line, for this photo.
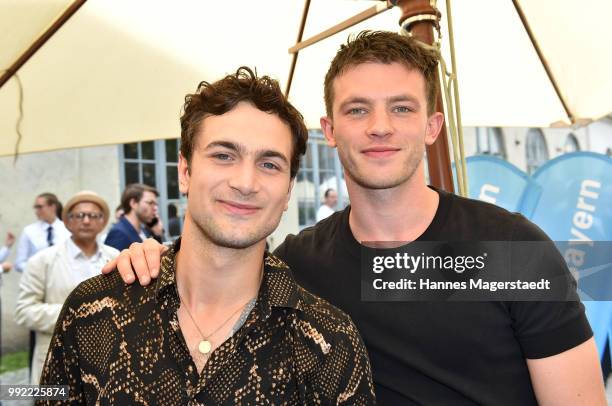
<point x="122" y="344"/>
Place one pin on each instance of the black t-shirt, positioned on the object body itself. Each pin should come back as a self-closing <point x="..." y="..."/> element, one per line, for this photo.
<point x="440" y="353"/>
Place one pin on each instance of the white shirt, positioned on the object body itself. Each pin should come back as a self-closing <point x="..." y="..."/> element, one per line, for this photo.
<point x="324" y="212"/>
<point x="81" y="266"/>
<point x="33" y="238"/>
<point x="4" y="251"/>
<point x="142" y="234"/>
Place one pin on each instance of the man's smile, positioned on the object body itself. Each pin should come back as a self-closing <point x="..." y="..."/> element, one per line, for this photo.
<point x="380" y="151"/>
<point x="238" y="208"/>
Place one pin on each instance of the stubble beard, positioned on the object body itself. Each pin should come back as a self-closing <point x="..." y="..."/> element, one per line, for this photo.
<point x="367" y="181"/>
<point x="211" y="231"/>
<point x="141" y="217"/>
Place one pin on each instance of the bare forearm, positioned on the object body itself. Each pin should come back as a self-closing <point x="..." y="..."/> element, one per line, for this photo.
<point x="571" y="378"/>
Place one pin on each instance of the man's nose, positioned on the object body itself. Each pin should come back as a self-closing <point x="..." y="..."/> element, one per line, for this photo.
<point x="379" y="124"/>
<point x="244" y="179"/>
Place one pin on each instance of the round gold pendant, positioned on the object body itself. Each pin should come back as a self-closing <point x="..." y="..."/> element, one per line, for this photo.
<point x="204" y="346"/>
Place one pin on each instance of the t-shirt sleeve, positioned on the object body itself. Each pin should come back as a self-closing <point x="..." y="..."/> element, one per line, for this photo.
<point x="545" y="328"/>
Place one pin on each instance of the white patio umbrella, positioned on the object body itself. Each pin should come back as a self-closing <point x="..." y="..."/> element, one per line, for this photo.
<point x="117" y="71"/>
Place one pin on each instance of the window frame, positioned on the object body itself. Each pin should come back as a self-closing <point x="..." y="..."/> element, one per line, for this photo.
<point x="536" y="143"/>
<point x="316" y="138"/>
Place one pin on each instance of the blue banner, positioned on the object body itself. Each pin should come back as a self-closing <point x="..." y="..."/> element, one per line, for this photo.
<point x="496" y="181"/>
<point x="575" y="198"/>
<point x="574" y="204"/>
<point x="570" y="198"/>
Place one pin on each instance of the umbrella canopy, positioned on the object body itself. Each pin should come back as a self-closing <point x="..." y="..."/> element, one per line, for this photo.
<point x="118" y="71"/>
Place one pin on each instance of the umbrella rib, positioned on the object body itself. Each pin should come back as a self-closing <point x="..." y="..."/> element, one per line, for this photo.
<point x="295" y="54"/>
<point x="349" y="22"/>
<point x="41" y="40"/>
<point x="547" y="69"/>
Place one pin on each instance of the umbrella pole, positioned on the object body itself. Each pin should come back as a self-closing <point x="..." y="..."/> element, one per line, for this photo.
<point x="424" y="18"/>
<point x="551" y="76"/>
<point x="41" y="40"/>
<point x="295" y="54"/>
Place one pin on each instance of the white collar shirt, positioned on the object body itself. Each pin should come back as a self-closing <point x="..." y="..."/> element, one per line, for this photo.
<point x="34" y="238"/>
<point x="324" y="212"/>
<point x="83" y="267"/>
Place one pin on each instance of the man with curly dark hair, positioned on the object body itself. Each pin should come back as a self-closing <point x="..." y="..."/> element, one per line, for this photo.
<point x="225" y="323"/>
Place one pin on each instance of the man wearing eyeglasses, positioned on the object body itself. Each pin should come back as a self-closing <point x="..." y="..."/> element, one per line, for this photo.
<point x="52" y="273"/>
<point x="140" y="219"/>
<point x="45" y="232"/>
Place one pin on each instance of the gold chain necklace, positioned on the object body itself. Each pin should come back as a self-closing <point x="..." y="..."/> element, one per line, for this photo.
<point x="205" y="346"/>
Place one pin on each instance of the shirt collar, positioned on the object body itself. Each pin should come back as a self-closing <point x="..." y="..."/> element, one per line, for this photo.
<point x="75" y="252"/>
<point x="278" y="287"/>
<point x="44" y="225"/>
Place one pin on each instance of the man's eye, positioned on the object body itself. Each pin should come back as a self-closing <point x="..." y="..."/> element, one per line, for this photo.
<point x="402" y="109"/>
<point x="270" y="165"/>
<point x="356" y="111"/>
<point x="222" y="157"/>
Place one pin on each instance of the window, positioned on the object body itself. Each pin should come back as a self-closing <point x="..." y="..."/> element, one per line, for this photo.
<point x="155" y="163"/>
<point x="320" y="170"/>
<point x="571" y="144"/>
<point x="536" y="150"/>
<point x="139" y="163"/>
<point x="490" y="141"/>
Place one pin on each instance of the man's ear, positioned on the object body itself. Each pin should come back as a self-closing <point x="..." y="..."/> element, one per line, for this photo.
<point x="434" y="125"/>
<point x="183" y="174"/>
<point x="133" y="203"/>
<point x="327" y="126"/>
<point x="289" y="194"/>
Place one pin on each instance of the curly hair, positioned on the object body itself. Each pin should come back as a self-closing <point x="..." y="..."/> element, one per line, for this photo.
<point x="384" y="47"/>
<point x="222" y="96"/>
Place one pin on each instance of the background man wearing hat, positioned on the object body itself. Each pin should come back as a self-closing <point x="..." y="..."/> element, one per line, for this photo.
<point x="54" y="272"/>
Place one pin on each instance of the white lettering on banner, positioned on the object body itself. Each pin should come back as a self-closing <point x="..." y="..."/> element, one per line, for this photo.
<point x="581" y="223"/>
<point x="488" y="188"/>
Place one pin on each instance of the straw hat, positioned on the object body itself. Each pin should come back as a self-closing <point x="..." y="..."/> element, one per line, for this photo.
<point x="86" y="196"/>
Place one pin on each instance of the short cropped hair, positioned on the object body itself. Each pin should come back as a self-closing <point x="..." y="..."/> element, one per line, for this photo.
<point x="134" y="191"/>
<point x="384" y="47"/>
<point x="215" y="99"/>
<point x="328" y="191"/>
